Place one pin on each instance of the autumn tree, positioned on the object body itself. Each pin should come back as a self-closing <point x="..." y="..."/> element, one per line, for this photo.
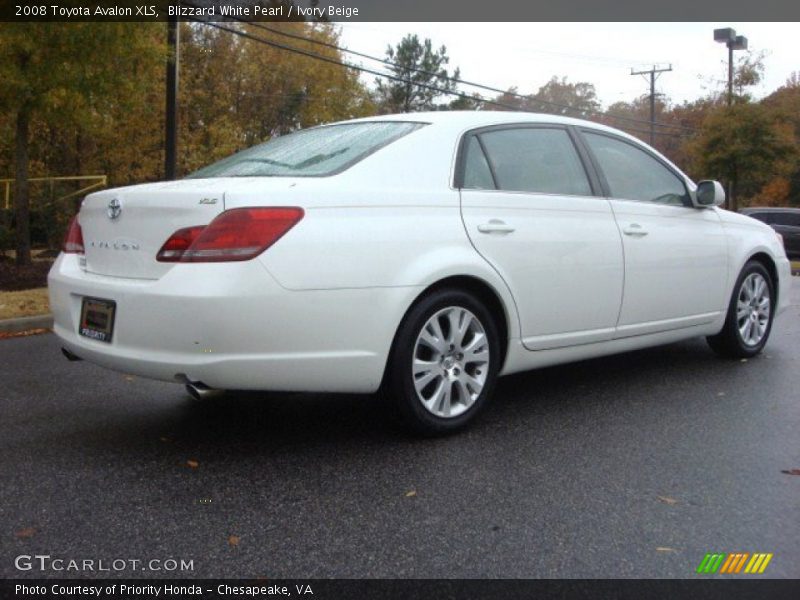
<point x="784" y="104"/>
<point x="558" y="96"/>
<point x="237" y="91"/>
<point x="423" y="74"/>
<point x="57" y="73"/>
<point x="92" y="99"/>
<point x="744" y="145"/>
<point x="561" y="97"/>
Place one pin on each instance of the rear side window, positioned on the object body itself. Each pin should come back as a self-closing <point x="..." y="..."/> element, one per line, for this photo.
<point x="310" y="152"/>
<point x="535" y="159"/>
<point x="633" y="174"/>
<point x="477" y="175"/>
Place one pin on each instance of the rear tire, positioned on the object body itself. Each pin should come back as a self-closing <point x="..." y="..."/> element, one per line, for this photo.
<point x="444" y="362"/>
<point x="750" y="314"/>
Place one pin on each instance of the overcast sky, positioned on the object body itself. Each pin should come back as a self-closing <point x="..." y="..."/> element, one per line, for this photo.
<point x="526" y="55"/>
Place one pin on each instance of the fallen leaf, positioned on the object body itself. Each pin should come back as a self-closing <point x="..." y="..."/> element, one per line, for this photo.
<point x="411" y="493"/>
<point x="27" y="333"/>
<point x="28" y="532"/>
<point x="665" y="549"/>
<point x="193" y="463"/>
<point x="128" y="377"/>
<point x="233" y="540"/>
<point x="667" y="500"/>
<point x="791" y="472"/>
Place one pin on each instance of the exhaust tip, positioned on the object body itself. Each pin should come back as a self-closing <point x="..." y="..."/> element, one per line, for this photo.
<point x="201" y="392"/>
<point x="70" y="356"/>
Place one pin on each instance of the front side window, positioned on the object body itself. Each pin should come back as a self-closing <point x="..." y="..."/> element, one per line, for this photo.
<point x="633" y="174"/>
<point x="313" y="152"/>
<point x="533" y="159"/>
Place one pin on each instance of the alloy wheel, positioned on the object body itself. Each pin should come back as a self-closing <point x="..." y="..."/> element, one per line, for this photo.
<point x="753" y="309"/>
<point x="450" y="362"/>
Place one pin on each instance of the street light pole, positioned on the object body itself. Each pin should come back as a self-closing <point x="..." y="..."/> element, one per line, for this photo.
<point x="728" y="37"/>
<point x="730" y="74"/>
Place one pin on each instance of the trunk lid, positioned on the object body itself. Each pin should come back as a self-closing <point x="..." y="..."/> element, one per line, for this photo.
<point x="147" y="215"/>
<point x="124" y="228"/>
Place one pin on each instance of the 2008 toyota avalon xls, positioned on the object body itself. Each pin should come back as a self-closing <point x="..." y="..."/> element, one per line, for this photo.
<point x="422" y="254"/>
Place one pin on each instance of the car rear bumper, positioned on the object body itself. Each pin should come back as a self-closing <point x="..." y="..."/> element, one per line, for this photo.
<point x="232" y="326"/>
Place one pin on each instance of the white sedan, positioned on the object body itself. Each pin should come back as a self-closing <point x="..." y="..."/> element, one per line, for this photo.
<point x="421" y="254"/>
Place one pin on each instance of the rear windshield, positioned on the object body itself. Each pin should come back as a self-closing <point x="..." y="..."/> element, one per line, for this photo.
<point x="310" y="152"/>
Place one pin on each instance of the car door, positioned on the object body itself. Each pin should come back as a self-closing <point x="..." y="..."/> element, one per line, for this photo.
<point x="533" y="211"/>
<point x="675" y="254"/>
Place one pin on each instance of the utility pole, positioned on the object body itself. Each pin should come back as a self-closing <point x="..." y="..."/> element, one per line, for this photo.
<point x="171" y="133"/>
<point x="653" y="75"/>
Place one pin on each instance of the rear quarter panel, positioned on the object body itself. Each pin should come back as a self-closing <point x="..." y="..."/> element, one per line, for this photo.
<point x="391" y="221"/>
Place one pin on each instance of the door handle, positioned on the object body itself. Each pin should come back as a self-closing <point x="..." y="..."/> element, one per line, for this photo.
<point x="634" y="230"/>
<point x="495" y="226"/>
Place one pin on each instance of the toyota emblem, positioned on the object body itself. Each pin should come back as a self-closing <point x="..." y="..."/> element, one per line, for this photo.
<point x="114" y="209"/>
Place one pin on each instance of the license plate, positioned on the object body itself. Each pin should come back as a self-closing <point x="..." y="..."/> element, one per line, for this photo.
<point x="97" y="319"/>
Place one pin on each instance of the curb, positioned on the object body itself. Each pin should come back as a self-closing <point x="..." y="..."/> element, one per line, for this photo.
<point x="26" y="323"/>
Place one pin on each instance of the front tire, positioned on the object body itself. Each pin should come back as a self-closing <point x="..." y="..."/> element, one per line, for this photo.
<point x="444" y="362"/>
<point x="750" y="314"/>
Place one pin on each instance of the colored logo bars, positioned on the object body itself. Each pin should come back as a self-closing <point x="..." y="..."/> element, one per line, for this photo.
<point x="733" y="563"/>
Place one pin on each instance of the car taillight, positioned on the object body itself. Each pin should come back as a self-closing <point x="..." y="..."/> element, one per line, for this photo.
<point x="73" y="241"/>
<point x="178" y="243"/>
<point x="236" y="234"/>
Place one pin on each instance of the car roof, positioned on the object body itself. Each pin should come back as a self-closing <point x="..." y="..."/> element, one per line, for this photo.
<point x="469" y="119"/>
<point x="456" y="122"/>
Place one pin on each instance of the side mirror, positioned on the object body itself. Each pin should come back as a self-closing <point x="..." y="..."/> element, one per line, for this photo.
<point x="709" y="193"/>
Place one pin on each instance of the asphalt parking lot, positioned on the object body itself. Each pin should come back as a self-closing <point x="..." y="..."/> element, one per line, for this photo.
<point x="629" y="466"/>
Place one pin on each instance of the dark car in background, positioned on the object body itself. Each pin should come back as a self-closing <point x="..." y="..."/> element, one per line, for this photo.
<point x="785" y="221"/>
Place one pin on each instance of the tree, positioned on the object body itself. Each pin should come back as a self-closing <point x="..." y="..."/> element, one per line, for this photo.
<point x="237" y="92"/>
<point x="557" y="96"/>
<point x="473" y="102"/>
<point x="560" y="97"/>
<point x="784" y="104"/>
<point x="744" y="145"/>
<point x="422" y="69"/>
<point x="749" y="72"/>
<point x="57" y="73"/>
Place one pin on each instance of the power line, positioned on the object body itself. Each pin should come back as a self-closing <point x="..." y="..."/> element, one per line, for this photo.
<point x="461" y="81"/>
<point x="362" y="69"/>
<point x="582" y="112"/>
